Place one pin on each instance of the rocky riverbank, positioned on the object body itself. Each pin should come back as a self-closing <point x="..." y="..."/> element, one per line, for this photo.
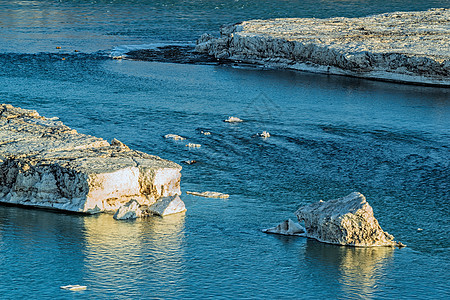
<point x="411" y="47"/>
<point x="44" y="163"/>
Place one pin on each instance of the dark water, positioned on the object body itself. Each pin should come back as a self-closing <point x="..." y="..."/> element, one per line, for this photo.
<point x="330" y="136"/>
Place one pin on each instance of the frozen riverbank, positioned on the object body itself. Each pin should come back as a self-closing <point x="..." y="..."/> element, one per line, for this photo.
<point x="44" y="163"/>
<point x="408" y="47"/>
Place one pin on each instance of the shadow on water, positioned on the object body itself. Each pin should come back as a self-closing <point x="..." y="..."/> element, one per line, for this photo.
<point x="358" y="269"/>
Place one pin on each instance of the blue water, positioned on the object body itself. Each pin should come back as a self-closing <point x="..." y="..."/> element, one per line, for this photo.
<point x="330" y="136"/>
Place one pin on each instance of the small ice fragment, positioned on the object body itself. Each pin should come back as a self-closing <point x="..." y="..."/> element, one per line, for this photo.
<point x="174" y="137"/>
<point x="287" y="227"/>
<point x="209" y="194"/>
<point x="192" y="145"/>
<point x="74" y="287"/>
<point x="233" y="120"/>
<point x="167" y="206"/>
<point x="264" y="134"/>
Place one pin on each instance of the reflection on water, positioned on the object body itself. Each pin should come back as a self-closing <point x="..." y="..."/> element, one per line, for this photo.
<point x="358" y="268"/>
<point x="127" y="259"/>
<point x="143" y="248"/>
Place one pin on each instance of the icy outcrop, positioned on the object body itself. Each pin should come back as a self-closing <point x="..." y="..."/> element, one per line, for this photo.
<point x="401" y="46"/>
<point x="287" y="227"/>
<point x="344" y="221"/>
<point x="44" y="163"/>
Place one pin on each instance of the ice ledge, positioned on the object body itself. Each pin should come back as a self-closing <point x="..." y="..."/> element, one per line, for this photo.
<point x="411" y="47"/>
<point x="44" y="163"/>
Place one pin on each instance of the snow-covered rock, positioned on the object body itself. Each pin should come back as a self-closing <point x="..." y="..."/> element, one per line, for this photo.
<point x="44" y="163"/>
<point x="344" y="221"/>
<point x="401" y="46"/>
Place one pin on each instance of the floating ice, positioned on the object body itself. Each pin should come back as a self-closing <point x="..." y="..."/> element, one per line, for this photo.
<point x="209" y="194"/>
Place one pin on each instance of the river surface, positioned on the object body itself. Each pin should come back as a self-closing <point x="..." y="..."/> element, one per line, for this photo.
<point x="330" y="136"/>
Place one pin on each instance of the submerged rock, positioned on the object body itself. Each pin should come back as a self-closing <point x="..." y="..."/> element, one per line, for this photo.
<point x="130" y="210"/>
<point x="287" y="227"/>
<point x="209" y="194"/>
<point x="399" y="46"/>
<point x="167" y="206"/>
<point x="344" y="221"/>
<point x="44" y="163"/>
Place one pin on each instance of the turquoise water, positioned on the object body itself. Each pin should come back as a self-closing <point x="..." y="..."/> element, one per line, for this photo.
<point x="330" y="136"/>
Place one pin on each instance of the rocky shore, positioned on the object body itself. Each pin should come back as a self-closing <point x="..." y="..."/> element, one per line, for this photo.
<point x="410" y="47"/>
<point x="44" y="163"/>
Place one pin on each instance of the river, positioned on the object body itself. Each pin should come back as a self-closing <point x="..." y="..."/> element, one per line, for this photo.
<point x="330" y="135"/>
